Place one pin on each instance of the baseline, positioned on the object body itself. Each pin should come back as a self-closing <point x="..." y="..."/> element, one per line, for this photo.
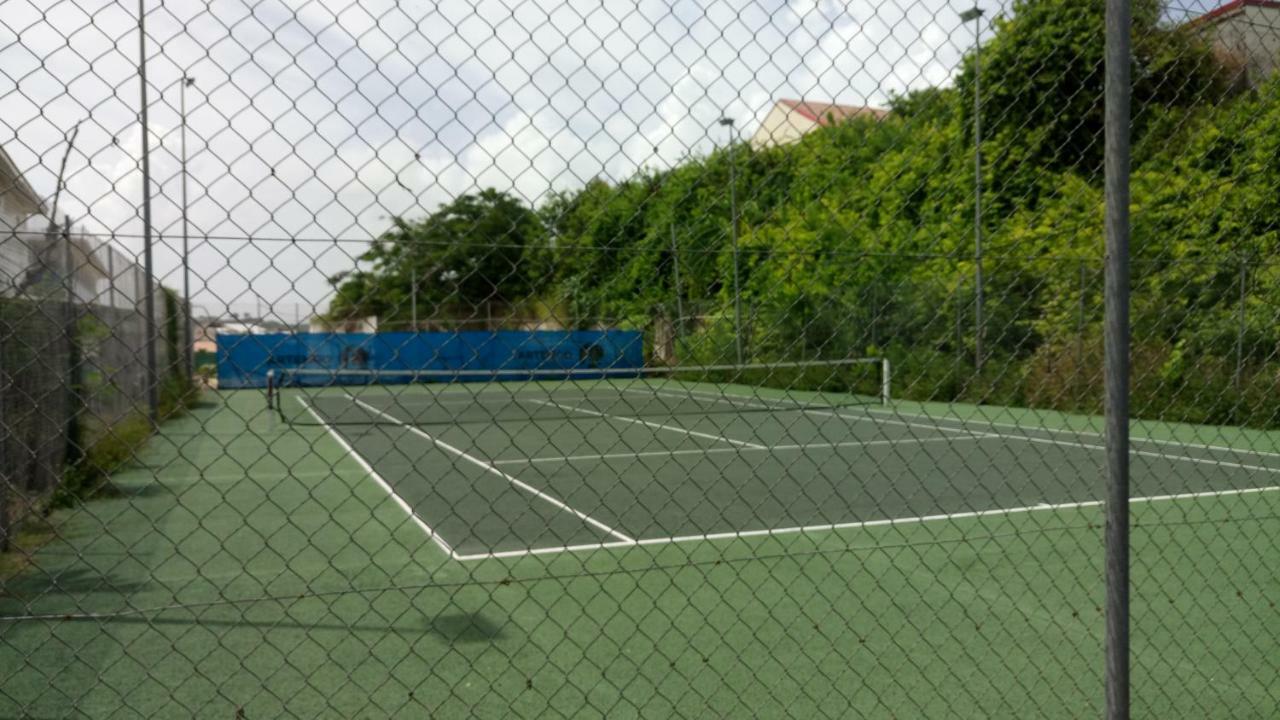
<point x="828" y="527"/>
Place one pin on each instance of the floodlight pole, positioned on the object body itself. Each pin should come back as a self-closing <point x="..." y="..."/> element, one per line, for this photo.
<point x="153" y="390"/>
<point x="975" y="14"/>
<point x="187" y="81"/>
<point x="733" y="212"/>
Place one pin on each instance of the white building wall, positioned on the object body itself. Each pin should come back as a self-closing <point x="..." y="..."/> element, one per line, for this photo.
<point x="1252" y="35"/>
<point x="781" y="126"/>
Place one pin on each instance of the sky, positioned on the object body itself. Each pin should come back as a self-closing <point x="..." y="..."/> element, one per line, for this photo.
<point x="310" y="124"/>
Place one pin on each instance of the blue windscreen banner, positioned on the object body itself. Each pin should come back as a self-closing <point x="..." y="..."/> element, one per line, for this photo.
<point x="244" y="360"/>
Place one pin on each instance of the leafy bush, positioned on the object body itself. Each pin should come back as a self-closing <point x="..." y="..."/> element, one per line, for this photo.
<point x="858" y="239"/>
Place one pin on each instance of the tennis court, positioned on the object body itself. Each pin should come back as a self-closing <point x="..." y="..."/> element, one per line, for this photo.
<point x="519" y="468"/>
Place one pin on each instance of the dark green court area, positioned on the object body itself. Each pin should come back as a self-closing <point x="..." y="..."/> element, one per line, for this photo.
<point x="533" y="468"/>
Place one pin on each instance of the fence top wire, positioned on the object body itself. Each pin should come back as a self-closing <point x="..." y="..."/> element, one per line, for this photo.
<point x="959" y="255"/>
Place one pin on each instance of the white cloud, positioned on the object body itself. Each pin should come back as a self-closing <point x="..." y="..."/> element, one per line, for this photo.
<point x="318" y="120"/>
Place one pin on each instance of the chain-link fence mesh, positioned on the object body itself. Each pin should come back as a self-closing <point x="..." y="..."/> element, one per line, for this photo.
<point x="554" y="358"/>
<point x="75" y="384"/>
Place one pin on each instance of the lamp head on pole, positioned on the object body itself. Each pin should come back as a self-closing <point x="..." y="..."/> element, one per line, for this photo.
<point x="726" y="121"/>
<point x="972" y="13"/>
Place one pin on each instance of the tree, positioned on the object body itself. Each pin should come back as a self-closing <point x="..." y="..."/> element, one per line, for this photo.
<point x="481" y="247"/>
<point x="1042" y="79"/>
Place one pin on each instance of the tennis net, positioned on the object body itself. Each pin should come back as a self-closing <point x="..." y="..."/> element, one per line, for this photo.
<point x="346" y="396"/>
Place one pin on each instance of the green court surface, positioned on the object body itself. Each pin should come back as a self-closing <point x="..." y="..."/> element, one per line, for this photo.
<point x="539" y="468"/>
<point x="379" y="560"/>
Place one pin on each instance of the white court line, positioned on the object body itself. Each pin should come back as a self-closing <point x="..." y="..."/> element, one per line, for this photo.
<point x="717" y="450"/>
<point x="732" y="535"/>
<point x="381" y="482"/>
<point x="1146" y="453"/>
<point x="258" y="477"/>
<point x="801" y="408"/>
<point x="1024" y="428"/>
<point x="491" y="469"/>
<point x="659" y="426"/>
<point x="1088" y="446"/>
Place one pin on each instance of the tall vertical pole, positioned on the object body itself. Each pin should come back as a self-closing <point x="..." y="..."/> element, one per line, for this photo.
<point x="1080" y="320"/>
<point x="959" y="359"/>
<point x="111" y="277"/>
<point x="1240" y="330"/>
<point x="187" y="342"/>
<point x="73" y="447"/>
<point x="675" y="267"/>
<point x="733" y="212"/>
<point x="68" y="270"/>
<point x="978" y="301"/>
<point x="153" y="381"/>
<point x="413" y="300"/>
<point x="1117" y="357"/>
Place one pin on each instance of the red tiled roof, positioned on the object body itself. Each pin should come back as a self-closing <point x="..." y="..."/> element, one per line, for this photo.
<point x="824" y="113"/>
<point x="1230" y="8"/>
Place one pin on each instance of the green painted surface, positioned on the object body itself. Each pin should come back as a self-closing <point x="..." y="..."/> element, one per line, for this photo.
<point x="300" y="588"/>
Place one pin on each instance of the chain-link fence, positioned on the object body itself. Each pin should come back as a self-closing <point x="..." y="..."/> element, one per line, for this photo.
<point x="75" y="381"/>
<point x="669" y="360"/>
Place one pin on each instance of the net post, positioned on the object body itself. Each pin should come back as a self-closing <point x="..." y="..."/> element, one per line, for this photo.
<point x="884" y="381"/>
<point x="271" y="389"/>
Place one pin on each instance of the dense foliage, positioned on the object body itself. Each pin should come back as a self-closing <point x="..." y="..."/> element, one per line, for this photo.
<point x="858" y="240"/>
<point x="475" y="249"/>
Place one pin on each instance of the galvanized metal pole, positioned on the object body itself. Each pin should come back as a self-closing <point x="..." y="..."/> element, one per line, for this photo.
<point x="74" y="449"/>
<point x="1080" y="320"/>
<point x="733" y="211"/>
<point x="675" y="266"/>
<point x="187" y="341"/>
<point x="1117" y="357"/>
<point x="111" y="275"/>
<point x="1240" y="330"/>
<point x="975" y="14"/>
<point x="153" y="382"/>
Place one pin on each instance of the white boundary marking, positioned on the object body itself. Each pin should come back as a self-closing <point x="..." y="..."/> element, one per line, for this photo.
<point x="717" y="450"/>
<point x="1091" y="433"/>
<point x="440" y="541"/>
<point x="626" y="541"/>
<point x="805" y="529"/>
<point x="1145" y="453"/>
<point x="491" y="469"/>
<point x="659" y="426"/>
<point x="1051" y="431"/>
<point x="762" y="404"/>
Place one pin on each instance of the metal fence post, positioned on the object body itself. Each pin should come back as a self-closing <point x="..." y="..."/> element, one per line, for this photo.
<point x="153" y="380"/>
<point x="675" y="267"/>
<point x="1118" y="92"/>
<point x="1080" y="319"/>
<point x="1240" y="330"/>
